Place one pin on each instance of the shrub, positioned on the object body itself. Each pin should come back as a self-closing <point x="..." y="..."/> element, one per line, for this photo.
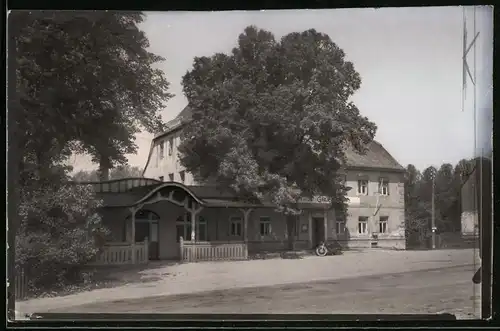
<point x="59" y="232"/>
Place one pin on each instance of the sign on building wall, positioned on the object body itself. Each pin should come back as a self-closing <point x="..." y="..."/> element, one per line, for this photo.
<point x="317" y="199"/>
<point x="327" y="200"/>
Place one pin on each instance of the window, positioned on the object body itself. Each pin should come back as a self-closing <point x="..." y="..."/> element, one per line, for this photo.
<point x="382" y="225"/>
<point x="265" y="226"/>
<point x="363" y="187"/>
<point x="182" y="174"/>
<point x="162" y="150"/>
<point x="236" y="226"/>
<point x="383" y="186"/>
<point x="201" y="229"/>
<point x="340" y="227"/>
<point x="363" y="225"/>
<point x="171" y="177"/>
<point x="157" y="155"/>
<point x="170" y="146"/>
<point x="183" y="228"/>
<point x="180" y="232"/>
<point x="161" y="178"/>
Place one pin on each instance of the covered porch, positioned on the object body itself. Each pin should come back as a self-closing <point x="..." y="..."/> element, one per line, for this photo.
<point x="178" y="222"/>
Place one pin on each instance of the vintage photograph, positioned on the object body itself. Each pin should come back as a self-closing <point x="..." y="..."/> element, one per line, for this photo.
<point x="327" y="161"/>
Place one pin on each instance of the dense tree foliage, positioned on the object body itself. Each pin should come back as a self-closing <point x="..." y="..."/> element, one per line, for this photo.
<point x="60" y="231"/>
<point x="85" y="83"/>
<point x="272" y="120"/>
<point x="79" y="82"/>
<point x="119" y="172"/>
<point x="447" y="183"/>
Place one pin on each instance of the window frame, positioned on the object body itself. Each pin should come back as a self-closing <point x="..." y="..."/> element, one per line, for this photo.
<point x="337" y="222"/>
<point x="162" y="150"/>
<point x="265" y="220"/>
<point x="186" y="225"/>
<point x="383" y="220"/>
<point x="383" y="182"/>
<point x="363" y="220"/>
<point x="171" y="147"/>
<point x="235" y="220"/>
<point x="360" y="186"/>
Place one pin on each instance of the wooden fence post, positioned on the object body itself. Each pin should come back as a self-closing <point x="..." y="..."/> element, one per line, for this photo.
<point x="146" y="250"/>
<point x="181" y="247"/>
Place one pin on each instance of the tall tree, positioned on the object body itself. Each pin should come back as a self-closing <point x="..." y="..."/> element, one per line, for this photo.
<point x="272" y="120"/>
<point x="86" y="83"/>
<point x="447" y="195"/>
<point x="416" y="215"/>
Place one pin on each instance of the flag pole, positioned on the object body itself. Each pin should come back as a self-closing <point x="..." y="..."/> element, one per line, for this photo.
<point x="464" y="73"/>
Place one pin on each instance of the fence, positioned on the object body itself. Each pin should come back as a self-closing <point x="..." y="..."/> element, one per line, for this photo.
<point x="212" y="251"/>
<point x="123" y="253"/>
<point x="21" y="285"/>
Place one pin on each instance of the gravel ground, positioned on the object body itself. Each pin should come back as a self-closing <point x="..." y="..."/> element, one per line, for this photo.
<point x="445" y="290"/>
<point x="199" y="277"/>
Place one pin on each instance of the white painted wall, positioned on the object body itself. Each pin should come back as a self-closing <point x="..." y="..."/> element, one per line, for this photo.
<point x="392" y="205"/>
<point x="168" y="164"/>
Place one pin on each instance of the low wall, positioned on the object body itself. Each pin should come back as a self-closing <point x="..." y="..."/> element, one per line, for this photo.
<point x="392" y="243"/>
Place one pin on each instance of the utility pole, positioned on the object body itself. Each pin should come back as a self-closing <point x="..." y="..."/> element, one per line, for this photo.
<point x="433" y="218"/>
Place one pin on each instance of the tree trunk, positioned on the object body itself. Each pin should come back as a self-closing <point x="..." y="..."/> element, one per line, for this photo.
<point x="104" y="166"/>
<point x="290" y="225"/>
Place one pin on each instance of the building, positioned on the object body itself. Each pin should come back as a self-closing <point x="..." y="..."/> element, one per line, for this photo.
<point x="170" y="216"/>
<point x="476" y="198"/>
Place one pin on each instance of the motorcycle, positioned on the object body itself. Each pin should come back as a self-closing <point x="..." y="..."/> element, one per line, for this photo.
<point x="324" y="249"/>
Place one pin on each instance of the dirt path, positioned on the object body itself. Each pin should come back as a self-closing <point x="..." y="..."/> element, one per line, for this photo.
<point x="199" y="277"/>
<point x="446" y="290"/>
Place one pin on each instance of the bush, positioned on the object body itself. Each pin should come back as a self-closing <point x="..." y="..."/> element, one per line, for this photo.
<point x="60" y="232"/>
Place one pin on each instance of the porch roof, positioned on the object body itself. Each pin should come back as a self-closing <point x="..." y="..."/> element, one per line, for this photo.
<point x="132" y="194"/>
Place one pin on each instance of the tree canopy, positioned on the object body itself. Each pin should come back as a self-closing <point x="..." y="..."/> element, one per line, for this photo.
<point x="272" y="120"/>
<point x="79" y="82"/>
<point x="85" y="83"/>
<point x="447" y="199"/>
<point x="119" y="172"/>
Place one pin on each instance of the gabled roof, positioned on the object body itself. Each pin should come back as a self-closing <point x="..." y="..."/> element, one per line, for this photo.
<point x="376" y="156"/>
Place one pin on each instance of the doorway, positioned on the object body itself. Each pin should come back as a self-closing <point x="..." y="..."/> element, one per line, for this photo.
<point x="318" y="230"/>
<point x="147" y="225"/>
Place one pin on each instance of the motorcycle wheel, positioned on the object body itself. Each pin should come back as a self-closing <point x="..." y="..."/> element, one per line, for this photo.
<point x="321" y="251"/>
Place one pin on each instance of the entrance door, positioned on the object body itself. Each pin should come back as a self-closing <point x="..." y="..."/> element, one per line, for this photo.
<point x="318" y="230"/>
<point x="154" y="250"/>
<point x="149" y="230"/>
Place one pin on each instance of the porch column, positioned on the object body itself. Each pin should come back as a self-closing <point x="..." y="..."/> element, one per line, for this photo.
<point x="246" y="216"/>
<point x="325" y="223"/>
<point x="193" y="225"/>
<point x="194" y="211"/>
<point x="132" y="226"/>
<point x="132" y="235"/>
<point x="309" y="218"/>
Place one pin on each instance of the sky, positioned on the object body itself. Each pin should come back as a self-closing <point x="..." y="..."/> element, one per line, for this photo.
<point x="409" y="59"/>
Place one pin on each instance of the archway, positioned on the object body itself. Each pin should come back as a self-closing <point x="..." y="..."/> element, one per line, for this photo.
<point x="147" y="227"/>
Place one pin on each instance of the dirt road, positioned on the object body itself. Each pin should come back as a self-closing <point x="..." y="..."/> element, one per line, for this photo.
<point x="447" y="289"/>
<point x="191" y="278"/>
